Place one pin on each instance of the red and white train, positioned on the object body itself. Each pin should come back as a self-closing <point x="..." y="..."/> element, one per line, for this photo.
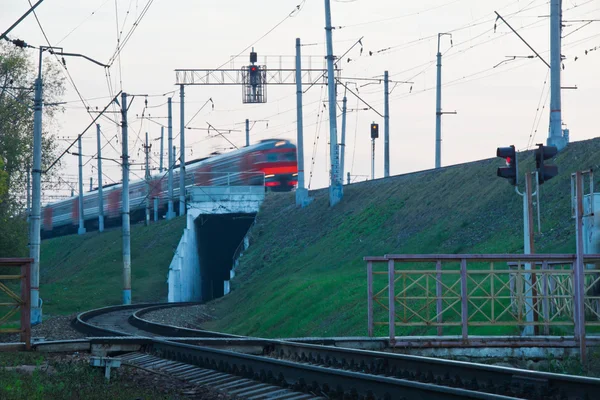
<point x="272" y="162"/>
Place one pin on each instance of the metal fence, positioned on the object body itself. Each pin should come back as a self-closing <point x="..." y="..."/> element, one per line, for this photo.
<point x="15" y="271"/>
<point x="460" y="293"/>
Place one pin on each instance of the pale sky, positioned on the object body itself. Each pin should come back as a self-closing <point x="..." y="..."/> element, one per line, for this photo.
<point x="496" y="106"/>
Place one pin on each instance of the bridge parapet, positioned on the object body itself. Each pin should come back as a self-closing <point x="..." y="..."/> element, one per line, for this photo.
<point x="225" y="199"/>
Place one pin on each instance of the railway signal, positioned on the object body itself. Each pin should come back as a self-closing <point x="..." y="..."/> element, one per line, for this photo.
<point x="374" y="130"/>
<point x="545" y="172"/>
<point x="510" y="171"/>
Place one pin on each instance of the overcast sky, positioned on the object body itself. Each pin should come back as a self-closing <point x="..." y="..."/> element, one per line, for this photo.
<point x="496" y="106"/>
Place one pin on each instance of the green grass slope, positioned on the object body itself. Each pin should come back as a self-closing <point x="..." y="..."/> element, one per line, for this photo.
<point x="303" y="274"/>
<point x="84" y="272"/>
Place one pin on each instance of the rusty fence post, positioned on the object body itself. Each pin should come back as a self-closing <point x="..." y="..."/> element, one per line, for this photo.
<point x="439" y="301"/>
<point x="392" y="302"/>
<point x="26" y="305"/>
<point x="578" y="271"/>
<point x="464" y="301"/>
<point x="545" y="302"/>
<point x="370" y="298"/>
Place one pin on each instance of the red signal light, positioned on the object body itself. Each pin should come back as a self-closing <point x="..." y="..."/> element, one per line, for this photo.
<point x="253" y="69"/>
<point x="508" y="160"/>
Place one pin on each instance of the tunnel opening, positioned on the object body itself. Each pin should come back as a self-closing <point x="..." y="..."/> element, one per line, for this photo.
<point x="218" y="238"/>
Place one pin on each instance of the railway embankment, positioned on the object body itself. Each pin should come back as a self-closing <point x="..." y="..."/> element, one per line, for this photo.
<point x="83" y="272"/>
<point x="303" y="274"/>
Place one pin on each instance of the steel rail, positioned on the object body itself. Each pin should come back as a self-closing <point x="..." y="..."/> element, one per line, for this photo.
<point x="318" y="380"/>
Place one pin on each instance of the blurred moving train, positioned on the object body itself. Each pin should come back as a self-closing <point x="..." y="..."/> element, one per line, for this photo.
<point x="271" y="162"/>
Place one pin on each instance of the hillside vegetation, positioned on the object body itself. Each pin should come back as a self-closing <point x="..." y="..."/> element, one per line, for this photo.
<point x="80" y="273"/>
<point x="303" y="274"/>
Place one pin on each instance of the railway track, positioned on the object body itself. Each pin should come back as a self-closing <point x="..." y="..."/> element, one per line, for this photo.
<point x="261" y="368"/>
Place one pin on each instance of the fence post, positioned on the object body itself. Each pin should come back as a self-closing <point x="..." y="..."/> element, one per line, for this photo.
<point x="392" y="302"/>
<point x="438" y="293"/>
<point x="464" y="301"/>
<point x="26" y="306"/>
<point x="545" y="303"/>
<point x="370" y="298"/>
<point x="578" y="271"/>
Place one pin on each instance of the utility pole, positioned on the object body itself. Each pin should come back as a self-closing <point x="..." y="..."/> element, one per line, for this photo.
<point x="555" y="135"/>
<point x="162" y="143"/>
<point x="302" y="198"/>
<point x="348" y="178"/>
<point x="147" y="148"/>
<point x="528" y="249"/>
<point x="335" y="188"/>
<point x="28" y="209"/>
<point x="125" y="203"/>
<point x="343" y="143"/>
<point x="247" y="132"/>
<point x="386" y="121"/>
<point x="81" y="229"/>
<point x="36" y="207"/>
<point x="100" y="196"/>
<point x="438" y="105"/>
<point x="182" y="152"/>
<point x="171" y="164"/>
<point x="91" y="184"/>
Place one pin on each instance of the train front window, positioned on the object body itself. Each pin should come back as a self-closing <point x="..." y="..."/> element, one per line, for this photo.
<point x="289" y="156"/>
<point x="271" y="157"/>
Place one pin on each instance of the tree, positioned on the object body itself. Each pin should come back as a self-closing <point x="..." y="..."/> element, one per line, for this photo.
<point x="17" y="74"/>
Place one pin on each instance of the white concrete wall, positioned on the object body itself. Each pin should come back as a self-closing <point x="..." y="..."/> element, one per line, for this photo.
<point x="184" y="272"/>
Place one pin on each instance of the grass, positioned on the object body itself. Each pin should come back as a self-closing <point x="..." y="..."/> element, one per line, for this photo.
<point x="84" y="272"/>
<point x="303" y="274"/>
<point x="70" y="380"/>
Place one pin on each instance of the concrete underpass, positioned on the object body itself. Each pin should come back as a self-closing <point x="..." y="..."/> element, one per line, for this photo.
<point x="218" y="237"/>
<point x="218" y="219"/>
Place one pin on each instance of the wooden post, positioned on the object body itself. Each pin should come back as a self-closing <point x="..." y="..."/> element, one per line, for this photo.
<point x="26" y="306"/>
<point x="392" y="302"/>
<point x="464" y="301"/>
<point x="545" y="303"/>
<point x="438" y="293"/>
<point x="579" y="272"/>
<point x="370" y="298"/>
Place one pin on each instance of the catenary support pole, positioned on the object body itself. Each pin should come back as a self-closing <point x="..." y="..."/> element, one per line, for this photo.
<point x="162" y="146"/>
<point x="555" y="136"/>
<point x="28" y="209"/>
<point x="335" y="188"/>
<point x="100" y="194"/>
<point x="125" y="206"/>
<point x="170" y="158"/>
<point x="302" y="198"/>
<point x="343" y="142"/>
<point x="91" y="184"/>
<point x="247" y="132"/>
<point x="81" y="229"/>
<point x="438" y="109"/>
<point x="182" y="151"/>
<point x="386" y="120"/>
<point x="36" y="205"/>
<point x="147" y="148"/>
<point x="348" y="178"/>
